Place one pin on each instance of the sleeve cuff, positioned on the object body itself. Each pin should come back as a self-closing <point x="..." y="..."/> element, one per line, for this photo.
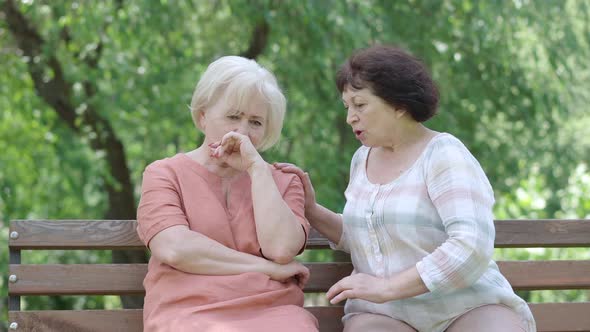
<point x="425" y="278"/>
<point x="304" y="241"/>
<point x="342" y="244"/>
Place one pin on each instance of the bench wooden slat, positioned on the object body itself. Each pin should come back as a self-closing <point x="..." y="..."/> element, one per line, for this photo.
<point x="537" y="275"/>
<point x="115" y="279"/>
<point x="121" y="234"/>
<point x="55" y="279"/>
<point x="330" y="317"/>
<point x="550" y="317"/>
<point x="129" y="320"/>
<point x="564" y="317"/>
<point x="77" y="279"/>
<point x="542" y="233"/>
<point x="75" y="234"/>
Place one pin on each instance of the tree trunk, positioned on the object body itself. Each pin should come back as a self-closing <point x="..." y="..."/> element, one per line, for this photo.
<point x="57" y="94"/>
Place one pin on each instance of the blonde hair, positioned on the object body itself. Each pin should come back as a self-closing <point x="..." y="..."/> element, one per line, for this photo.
<point x="236" y="80"/>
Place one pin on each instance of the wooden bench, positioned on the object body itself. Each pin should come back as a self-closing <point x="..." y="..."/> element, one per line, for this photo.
<point x="120" y="279"/>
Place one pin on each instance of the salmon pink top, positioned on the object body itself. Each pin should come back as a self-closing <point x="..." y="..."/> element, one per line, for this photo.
<point x="181" y="191"/>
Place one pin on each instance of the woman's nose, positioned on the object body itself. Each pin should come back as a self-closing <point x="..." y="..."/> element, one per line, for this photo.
<point x="242" y="128"/>
<point x="351" y="117"/>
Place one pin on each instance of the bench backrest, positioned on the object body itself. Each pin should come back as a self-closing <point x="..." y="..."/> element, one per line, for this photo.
<point x="123" y="279"/>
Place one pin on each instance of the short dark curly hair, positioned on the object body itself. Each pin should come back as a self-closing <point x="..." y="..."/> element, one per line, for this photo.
<point x="395" y="76"/>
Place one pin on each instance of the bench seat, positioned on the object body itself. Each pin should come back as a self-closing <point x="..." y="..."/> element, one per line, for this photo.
<point x="125" y="279"/>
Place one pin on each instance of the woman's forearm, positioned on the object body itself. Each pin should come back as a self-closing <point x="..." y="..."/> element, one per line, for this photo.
<point x="195" y="253"/>
<point x="326" y="222"/>
<point x="405" y="284"/>
<point x="280" y="234"/>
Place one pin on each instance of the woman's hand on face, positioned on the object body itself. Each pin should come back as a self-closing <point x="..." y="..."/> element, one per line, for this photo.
<point x="236" y="150"/>
<point x="294" y="269"/>
<point x="359" y="286"/>
<point x="310" y="202"/>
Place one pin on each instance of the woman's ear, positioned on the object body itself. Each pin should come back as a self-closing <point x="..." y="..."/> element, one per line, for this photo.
<point x="201" y="120"/>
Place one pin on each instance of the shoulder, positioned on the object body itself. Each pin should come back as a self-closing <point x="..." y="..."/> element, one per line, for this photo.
<point x="446" y="140"/>
<point x="447" y="148"/>
<point x="449" y="163"/>
<point x="448" y="154"/>
<point x="167" y="166"/>
<point x="284" y="180"/>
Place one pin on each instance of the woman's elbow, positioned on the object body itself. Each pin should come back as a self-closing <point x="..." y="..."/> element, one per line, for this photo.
<point x="479" y="265"/>
<point x="279" y="256"/>
<point x="475" y="264"/>
<point x="285" y="259"/>
<point x="169" y="256"/>
<point x="484" y="253"/>
<point x="281" y="252"/>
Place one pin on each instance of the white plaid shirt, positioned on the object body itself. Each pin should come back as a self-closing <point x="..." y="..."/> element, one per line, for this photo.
<point x="437" y="216"/>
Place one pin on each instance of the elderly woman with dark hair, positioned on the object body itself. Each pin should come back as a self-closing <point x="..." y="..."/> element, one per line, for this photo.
<point x="418" y="219"/>
<point x="222" y="225"/>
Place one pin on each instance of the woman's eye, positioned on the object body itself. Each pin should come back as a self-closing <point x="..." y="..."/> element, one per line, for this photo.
<point x="256" y="123"/>
<point x="233" y="117"/>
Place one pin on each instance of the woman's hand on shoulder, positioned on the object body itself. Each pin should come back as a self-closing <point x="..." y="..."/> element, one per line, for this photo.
<point x="237" y="151"/>
<point x="359" y="286"/>
<point x="310" y="200"/>
<point x="294" y="269"/>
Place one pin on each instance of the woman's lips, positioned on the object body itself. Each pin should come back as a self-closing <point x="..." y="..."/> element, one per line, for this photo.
<point x="358" y="133"/>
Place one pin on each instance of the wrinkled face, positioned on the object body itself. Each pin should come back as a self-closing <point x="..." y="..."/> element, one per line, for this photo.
<point x="373" y="121"/>
<point x="250" y="120"/>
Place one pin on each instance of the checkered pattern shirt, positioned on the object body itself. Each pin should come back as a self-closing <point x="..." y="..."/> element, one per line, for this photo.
<point x="438" y="217"/>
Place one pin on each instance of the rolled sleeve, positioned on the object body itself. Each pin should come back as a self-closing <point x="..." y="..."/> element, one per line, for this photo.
<point x="160" y="205"/>
<point x="463" y="198"/>
<point x="294" y="197"/>
<point x="342" y="244"/>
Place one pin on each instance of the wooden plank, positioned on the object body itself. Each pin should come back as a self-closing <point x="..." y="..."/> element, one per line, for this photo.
<point x="550" y="317"/>
<point x="535" y="275"/>
<point x="542" y="233"/>
<point x="121" y="234"/>
<point x="316" y="240"/>
<point x="75" y="234"/>
<point x="520" y="233"/>
<point x="329" y="317"/>
<point x="564" y="317"/>
<point x="115" y="279"/>
<point x="87" y="279"/>
<point x="128" y="320"/>
<point x="324" y="275"/>
<point x="81" y="279"/>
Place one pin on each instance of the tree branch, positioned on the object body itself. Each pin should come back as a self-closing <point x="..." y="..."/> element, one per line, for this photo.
<point x="258" y="41"/>
<point x="55" y="90"/>
<point x="91" y="60"/>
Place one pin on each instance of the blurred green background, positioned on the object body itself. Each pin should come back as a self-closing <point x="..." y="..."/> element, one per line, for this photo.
<point x="93" y="91"/>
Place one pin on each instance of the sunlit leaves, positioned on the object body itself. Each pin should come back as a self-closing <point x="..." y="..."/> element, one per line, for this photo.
<point x="514" y="80"/>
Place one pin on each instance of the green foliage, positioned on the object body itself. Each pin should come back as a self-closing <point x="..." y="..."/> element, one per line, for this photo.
<point x="513" y="77"/>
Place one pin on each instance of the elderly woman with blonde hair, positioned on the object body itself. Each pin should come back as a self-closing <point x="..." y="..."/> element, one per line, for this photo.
<point x="222" y="225"/>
